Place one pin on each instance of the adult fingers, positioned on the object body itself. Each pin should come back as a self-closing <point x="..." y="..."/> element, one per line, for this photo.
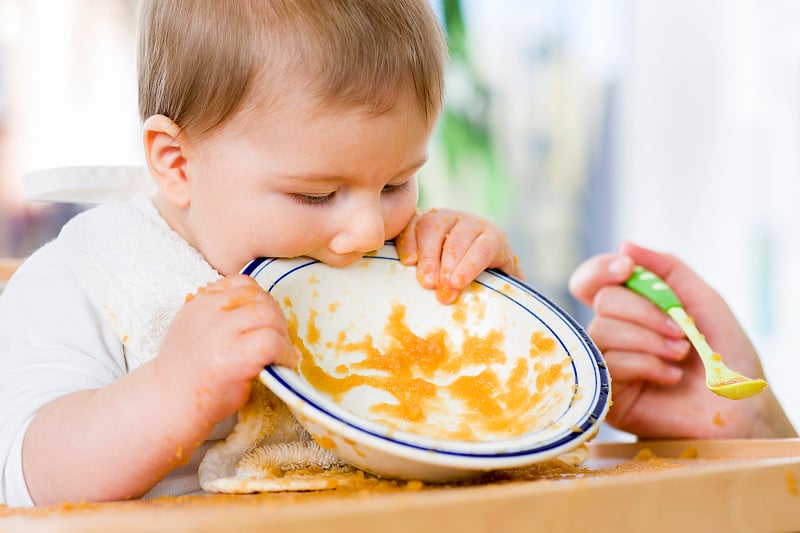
<point x="688" y="286"/>
<point x="597" y="272"/>
<point x="617" y="301"/>
<point x="613" y="334"/>
<point x="626" y="367"/>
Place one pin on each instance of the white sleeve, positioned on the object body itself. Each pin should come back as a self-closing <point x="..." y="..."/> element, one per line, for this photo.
<point x="52" y="342"/>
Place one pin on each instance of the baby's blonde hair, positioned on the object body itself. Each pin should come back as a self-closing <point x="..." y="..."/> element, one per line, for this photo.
<point x="199" y="59"/>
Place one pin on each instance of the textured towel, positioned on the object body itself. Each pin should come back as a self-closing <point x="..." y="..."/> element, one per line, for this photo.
<point x="269" y="451"/>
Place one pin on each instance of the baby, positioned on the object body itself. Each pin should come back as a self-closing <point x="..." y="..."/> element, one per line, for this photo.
<point x="275" y="128"/>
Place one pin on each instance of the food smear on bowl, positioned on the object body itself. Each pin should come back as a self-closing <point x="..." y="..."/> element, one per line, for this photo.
<point x="455" y="383"/>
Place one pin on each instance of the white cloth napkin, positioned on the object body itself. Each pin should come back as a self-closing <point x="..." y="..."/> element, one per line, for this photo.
<point x="135" y="269"/>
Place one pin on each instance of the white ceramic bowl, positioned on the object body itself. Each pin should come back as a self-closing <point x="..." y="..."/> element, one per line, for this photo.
<point x="399" y="385"/>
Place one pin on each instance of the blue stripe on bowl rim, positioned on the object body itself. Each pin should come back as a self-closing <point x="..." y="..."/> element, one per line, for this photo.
<point x="589" y="419"/>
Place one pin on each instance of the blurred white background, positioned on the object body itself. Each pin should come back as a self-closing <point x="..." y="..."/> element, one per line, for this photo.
<point x="573" y="123"/>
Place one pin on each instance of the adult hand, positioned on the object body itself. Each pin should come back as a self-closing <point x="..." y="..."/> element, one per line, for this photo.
<point x="658" y="383"/>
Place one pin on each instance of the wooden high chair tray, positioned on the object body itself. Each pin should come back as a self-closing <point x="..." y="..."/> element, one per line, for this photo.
<point x="736" y="485"/>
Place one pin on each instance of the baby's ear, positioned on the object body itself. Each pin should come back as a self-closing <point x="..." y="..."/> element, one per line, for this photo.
<point x="165" y="151"/>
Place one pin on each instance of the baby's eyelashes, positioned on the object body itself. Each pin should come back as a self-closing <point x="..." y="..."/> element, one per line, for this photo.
<point x="314" y="199"/>
<point x="397" y="187"/>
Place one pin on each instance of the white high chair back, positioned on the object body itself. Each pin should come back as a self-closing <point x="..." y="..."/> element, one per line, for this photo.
<point x="81" y="185"/>
<point x="87" y="185"/>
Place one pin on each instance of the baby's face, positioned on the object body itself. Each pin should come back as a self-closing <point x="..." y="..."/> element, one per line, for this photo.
<point x="297" y="180"/>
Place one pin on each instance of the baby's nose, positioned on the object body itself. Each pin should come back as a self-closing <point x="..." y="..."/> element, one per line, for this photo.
<point x="362" y="231"/>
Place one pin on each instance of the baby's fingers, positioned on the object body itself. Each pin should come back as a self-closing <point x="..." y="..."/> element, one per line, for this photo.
<point x="272" y="346"/>
<point x="406" y="242"/>
<point x="432" y="229"/>
<point x="469" y="250"/>
<point x="228" y="283"/>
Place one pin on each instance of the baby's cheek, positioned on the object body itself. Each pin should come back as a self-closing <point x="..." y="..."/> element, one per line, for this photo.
<point x="397" y="217"/>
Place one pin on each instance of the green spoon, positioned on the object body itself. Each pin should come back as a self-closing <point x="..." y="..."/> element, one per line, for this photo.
<point x="719" y="378"/>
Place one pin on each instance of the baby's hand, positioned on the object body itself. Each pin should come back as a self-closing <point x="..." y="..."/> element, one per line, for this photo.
<point x="450" y="249"/>
<point x="218" y="343"/>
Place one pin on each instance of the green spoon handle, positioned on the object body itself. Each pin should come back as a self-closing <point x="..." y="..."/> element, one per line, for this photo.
<point x="655" y="289"/>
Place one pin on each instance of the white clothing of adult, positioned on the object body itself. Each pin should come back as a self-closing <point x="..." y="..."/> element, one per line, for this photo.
<point x="83" y="311"/>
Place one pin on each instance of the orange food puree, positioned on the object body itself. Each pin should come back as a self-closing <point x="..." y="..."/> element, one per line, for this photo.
<point x="444" y="391"/>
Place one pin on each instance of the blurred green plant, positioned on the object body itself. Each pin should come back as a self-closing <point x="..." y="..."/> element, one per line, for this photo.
<point x="475" y="174"/>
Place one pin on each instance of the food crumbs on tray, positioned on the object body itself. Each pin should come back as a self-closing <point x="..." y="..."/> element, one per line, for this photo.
<point x="354" y="484"/>
<point x="645" y="454"/>
<point x="312" y="279"/>
<point x="718" y="421"/>
<point x="791" y="483"/>
<point x="333" y="306"/>
<point x="690" y="452"/>
<point x="414" y="485"/>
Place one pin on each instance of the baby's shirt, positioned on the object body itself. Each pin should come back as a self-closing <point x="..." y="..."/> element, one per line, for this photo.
<point x="84" y="310"/>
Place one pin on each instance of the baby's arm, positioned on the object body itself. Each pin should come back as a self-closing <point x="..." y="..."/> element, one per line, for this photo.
<point x="658" y="383"/>
<point x="118" y="441"/>
<point x="450" y="249"/>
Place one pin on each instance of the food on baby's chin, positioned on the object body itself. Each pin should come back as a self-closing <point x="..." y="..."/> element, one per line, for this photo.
<point x="427" y="376"/>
